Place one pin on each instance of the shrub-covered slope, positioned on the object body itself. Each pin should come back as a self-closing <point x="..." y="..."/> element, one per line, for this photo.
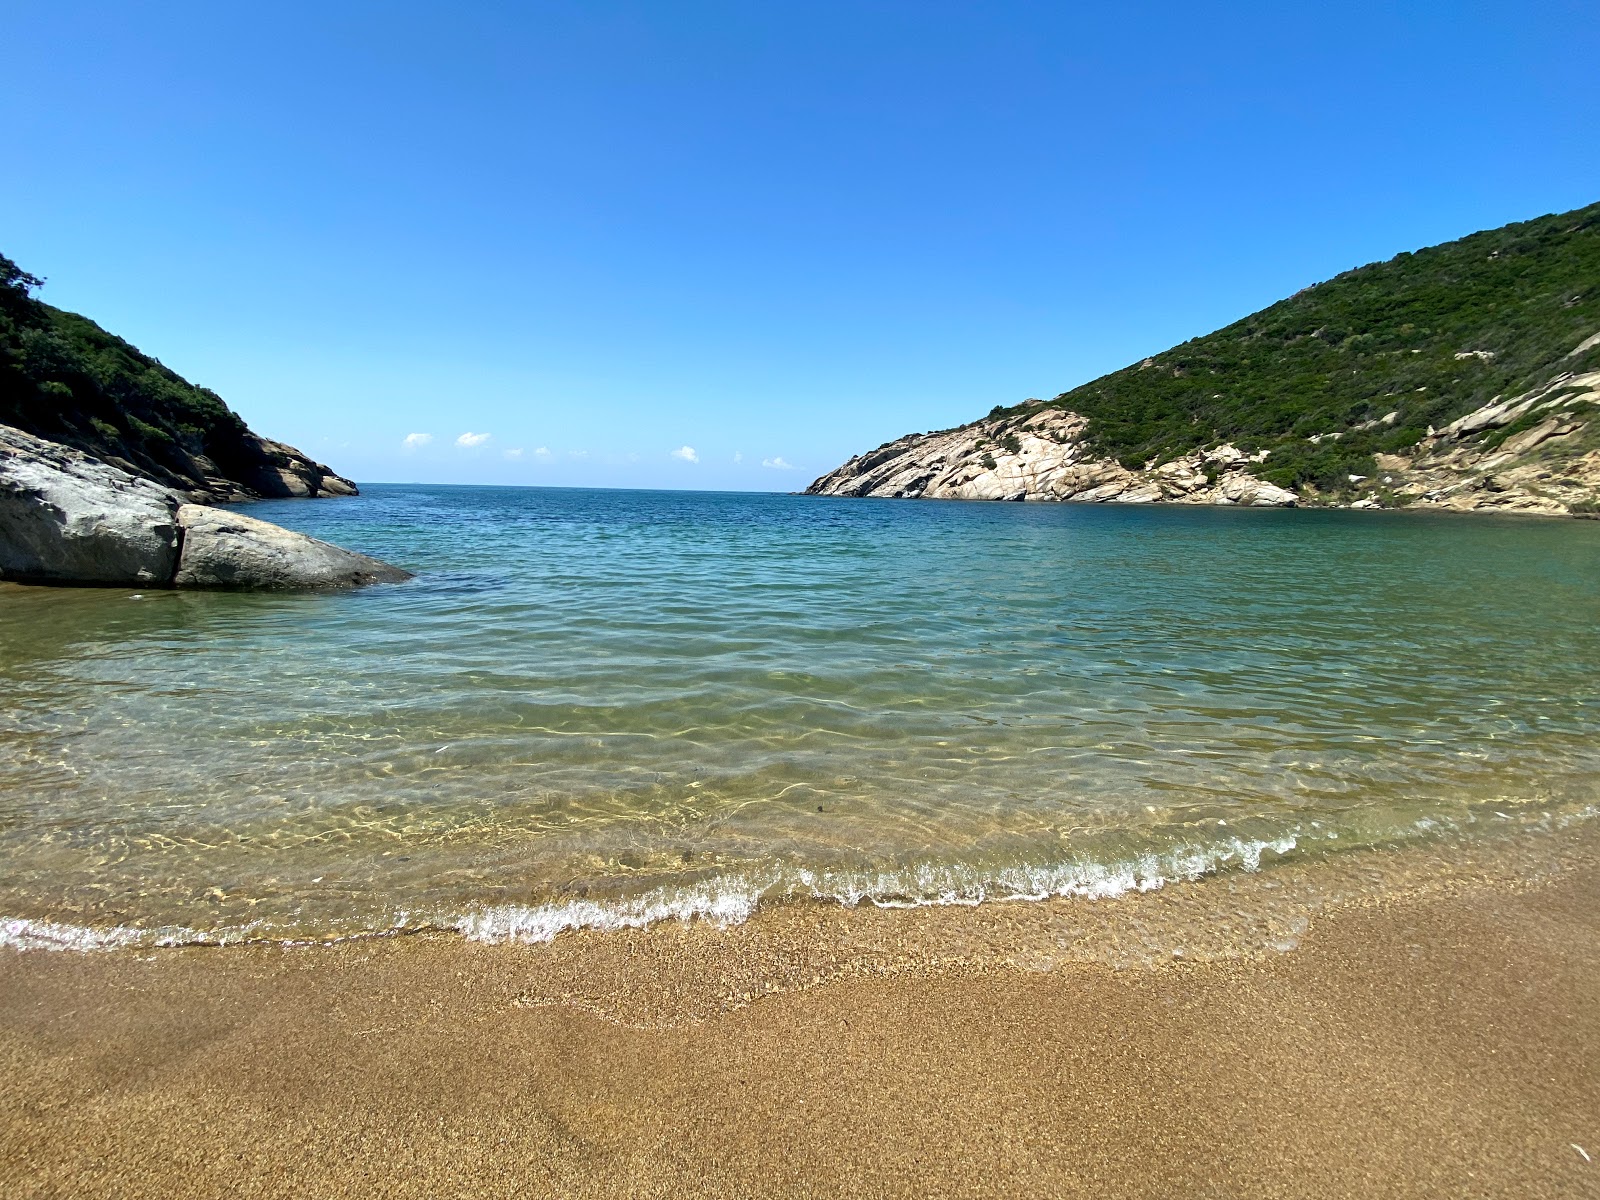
<point x="64" y="378"/>
<point x="1426" y="336"/>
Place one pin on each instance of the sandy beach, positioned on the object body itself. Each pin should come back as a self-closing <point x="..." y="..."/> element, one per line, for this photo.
<point x="868" y="601"/>
<point x="1438" y="1042"/>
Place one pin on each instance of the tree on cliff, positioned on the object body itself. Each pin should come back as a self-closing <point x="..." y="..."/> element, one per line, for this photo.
<point x="65" y="379"/>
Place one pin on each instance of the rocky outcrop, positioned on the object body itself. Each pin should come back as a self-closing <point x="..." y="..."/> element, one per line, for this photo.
<point x="1538" y="452"/>
<point x="1548" y="462"/>
<point x="65" y="379"/>
<point x="229" y="550"/>
<point x="1042" y="455"/>
<point x="251" y="468"/>
<point x="67" y="518"/>
<point x="258" y="468"/>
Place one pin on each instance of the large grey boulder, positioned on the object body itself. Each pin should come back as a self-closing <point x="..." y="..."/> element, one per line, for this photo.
<point x="228" y="550"/>
<point x="69" y="518"/>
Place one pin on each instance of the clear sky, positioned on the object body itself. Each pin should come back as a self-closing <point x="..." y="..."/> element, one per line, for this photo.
<point x="558" y="242"/>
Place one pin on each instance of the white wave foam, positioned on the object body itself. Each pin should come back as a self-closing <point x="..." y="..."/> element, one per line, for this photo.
<point x="726" y="901"/>
<point x="932" y="884"/>
<point x="730" y="900"/>
<point x="23" y="934"/>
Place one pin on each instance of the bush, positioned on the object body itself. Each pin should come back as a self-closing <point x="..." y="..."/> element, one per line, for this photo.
<point x="64" y="378"/>
<point x="1378" y="339"/>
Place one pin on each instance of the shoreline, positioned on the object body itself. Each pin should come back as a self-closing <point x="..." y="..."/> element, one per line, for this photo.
<point x="1319" y="865"/>
<point x="1304" y="505"/>
<point x="1430" y="1030"/>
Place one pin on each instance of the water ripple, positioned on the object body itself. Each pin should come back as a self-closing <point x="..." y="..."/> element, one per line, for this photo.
<point x="620" y="699"/>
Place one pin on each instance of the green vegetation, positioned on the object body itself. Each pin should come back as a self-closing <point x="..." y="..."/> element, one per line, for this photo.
<point x="64" y="378"/>
<point x="1427" y="337"/>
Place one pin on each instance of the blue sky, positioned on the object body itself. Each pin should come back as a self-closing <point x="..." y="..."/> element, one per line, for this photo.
<point x="750" y="233"/>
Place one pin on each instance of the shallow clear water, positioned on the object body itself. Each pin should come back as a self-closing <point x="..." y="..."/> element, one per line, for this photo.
<point x="602" y="707"/>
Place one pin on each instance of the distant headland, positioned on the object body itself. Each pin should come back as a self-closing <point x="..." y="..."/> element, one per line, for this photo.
<point x="1465" y="376"/>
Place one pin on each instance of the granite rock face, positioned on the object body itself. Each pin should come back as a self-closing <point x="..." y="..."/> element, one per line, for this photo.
<point x="1550" y="467"/>
<point x="1538" y="452"/>
<point x="1042" y="456"/>
<point x="67" y="518"/>
<point x="229" y="550"/>
<point x="254" y="468"/>
<point x="272" y="470"/>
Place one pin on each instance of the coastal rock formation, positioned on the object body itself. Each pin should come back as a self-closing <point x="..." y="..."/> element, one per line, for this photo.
<point x="283" y="471"/>
<point x="1042" y="456"/>
<point x="252" y="468"/>
<point x="64" y="378"/>
<point x="1462" y="376"/>
<point x="229" y="550"/>
<point x="67" y="518"/>
<point x="1537" y="452"/>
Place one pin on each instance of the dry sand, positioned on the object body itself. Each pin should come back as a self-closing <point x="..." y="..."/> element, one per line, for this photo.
<point x="1444" y="1043"/>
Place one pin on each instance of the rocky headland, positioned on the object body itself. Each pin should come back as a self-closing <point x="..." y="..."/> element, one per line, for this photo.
<point x="1464" y="376"/>
<point x="65" y="379"/>
<point x="1042" y="456"/>
<point x="68" y="518"/>
<point x="109" y="462"/>
<point x="1044" y="453"/>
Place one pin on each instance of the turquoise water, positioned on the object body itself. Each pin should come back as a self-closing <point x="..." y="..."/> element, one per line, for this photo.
<point x="605" y="707"/>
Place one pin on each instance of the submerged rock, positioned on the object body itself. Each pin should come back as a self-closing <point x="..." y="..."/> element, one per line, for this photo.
<point x="67" y="518"/>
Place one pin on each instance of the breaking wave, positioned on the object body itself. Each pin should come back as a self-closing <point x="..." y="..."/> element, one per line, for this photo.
<point x="732" y="898"/>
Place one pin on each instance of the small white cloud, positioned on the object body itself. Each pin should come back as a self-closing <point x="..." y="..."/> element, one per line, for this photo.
<point x="517" y="453"/>
<point x="686" y="453"/>
<point x="577" y="454"/>
<point x="738" y="456"/>
<point x="414" y="440"/>
<point x="777" y="463"/>
<point x="543" y="452"/>
<point x="470" y="440"/>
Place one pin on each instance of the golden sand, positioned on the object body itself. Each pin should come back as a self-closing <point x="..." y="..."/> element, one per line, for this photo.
<point x="1436" y="1040"/>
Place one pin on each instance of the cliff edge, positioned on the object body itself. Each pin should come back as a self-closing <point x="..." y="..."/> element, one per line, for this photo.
<point x="65" y="379"/>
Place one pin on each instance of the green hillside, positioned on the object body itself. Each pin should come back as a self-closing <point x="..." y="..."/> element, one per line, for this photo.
<point x="64" y="378"/>
<point x="1385" y="338"/>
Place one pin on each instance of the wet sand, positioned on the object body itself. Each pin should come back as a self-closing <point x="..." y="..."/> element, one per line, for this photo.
<point x="1444" y="1043"/>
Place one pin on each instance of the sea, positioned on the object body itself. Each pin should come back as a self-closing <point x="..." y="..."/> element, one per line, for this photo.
<point x="602" y="709"/>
